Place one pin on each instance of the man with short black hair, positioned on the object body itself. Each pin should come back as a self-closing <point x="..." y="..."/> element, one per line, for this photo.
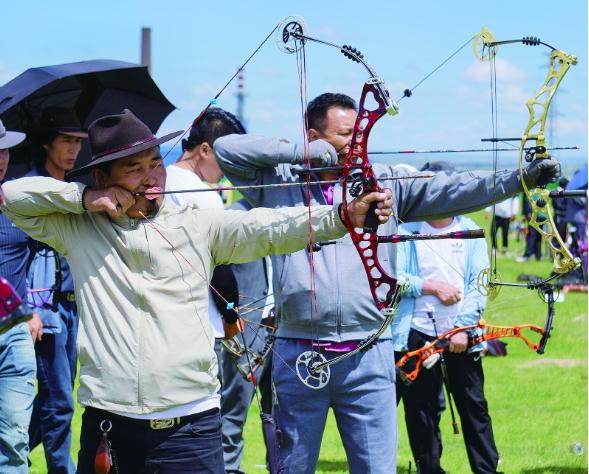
<point x="342" y="313"/>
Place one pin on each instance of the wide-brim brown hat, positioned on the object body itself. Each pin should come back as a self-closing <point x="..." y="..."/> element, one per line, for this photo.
<point x="61" y="120"/>
<point x="117" y="136"/>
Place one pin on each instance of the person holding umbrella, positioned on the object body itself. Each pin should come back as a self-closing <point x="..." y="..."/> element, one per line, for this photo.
<point x="59" y="139"/>
<point x="17" y="356"/>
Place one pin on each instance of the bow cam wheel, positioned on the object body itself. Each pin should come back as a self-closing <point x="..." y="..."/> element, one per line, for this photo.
<point x="286" y="34"/>
<point x="488" y="283"/>
<point x="481" y="45"/>
<point x="310" y="377"/>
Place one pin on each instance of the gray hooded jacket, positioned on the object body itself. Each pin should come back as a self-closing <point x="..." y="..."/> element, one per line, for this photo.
<point x="345" y="308"/>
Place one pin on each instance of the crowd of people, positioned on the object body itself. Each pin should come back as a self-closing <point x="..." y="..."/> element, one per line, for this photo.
<point x="147" y="284"/>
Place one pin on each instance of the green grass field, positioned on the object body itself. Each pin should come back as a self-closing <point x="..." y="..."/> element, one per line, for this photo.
<point x="538" y="403"/>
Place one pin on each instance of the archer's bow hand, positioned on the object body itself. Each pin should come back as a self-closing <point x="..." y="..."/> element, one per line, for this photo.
<point x="319" y="153"/>
<point x="359" y="207"/>
<point x="541" y="172"/>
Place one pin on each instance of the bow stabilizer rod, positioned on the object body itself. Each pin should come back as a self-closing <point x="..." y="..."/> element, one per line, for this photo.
<point x="398" y="238"/>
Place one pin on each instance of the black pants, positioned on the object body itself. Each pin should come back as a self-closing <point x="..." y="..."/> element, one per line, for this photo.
<point x="533" y="244"/>
<point x="191" y="447"/>
<point x="422" y="411"/>
<point x="503" y="224"/>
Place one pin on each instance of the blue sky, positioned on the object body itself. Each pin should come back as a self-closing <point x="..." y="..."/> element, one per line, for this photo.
<point x="197" y="45"/>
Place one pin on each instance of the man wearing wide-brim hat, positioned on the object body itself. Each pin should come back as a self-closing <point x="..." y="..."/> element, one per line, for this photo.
<point x="17" y="355"/>
<point x="148" y="374"/>
<point x="58" y="139"/>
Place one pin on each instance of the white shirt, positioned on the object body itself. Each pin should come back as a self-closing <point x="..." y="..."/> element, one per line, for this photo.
<point x="180" y="178"/>
<point x="505" y="209"/>
<point x="439" y="260"/>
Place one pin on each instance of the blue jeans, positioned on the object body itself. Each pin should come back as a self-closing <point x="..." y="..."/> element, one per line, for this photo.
<point x="54" y="404"/>
<point x="17" y="391"/>
<point x="361" y="393"/>
<point x="192" y="447"/>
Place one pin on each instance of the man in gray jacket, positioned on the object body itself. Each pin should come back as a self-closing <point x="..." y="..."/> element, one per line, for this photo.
<point x="361" y="389"/>
<point x="141" y="268"/>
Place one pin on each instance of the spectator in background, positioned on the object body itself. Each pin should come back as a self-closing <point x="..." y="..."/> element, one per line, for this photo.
<point x="60" y="136"/>
<point x="560" y="207"/>
<point x="17" y="354"/>
<point x="533" y="237"/>
<point x="576" y="209"/>
<point x="442" y="295"/>
<point x="237" y="283"/>
<point x="196" y="167"/>
<point x="576" y="214"/>
<point x="503" y="213"/>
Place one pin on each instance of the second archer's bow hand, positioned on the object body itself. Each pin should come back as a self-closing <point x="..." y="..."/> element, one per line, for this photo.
<point x="541" y="172"/>
<point x="360" y="206"/>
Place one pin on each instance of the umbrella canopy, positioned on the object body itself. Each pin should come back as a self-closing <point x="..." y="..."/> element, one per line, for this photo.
<point x="92" y="88"/>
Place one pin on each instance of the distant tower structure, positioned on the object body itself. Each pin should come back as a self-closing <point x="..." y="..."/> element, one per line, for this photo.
<point x="241" y="98"/>
<point x="146" y="48"/>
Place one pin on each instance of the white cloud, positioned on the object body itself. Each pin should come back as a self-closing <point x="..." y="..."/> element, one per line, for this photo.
<point x="569" y="125"/>
<point x="198" y="97"/>
<point x="506" y="72"/>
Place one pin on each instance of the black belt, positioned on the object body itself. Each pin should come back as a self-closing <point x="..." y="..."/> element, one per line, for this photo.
<point x="154" y="424"/>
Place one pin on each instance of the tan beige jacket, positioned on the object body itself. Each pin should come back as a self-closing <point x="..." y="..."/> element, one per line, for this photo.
<point x="144" y="340"/>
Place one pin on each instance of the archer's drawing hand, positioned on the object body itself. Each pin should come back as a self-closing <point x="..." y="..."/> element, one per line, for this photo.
<point x="113" y="200"/>
<point x="320" y="153"/>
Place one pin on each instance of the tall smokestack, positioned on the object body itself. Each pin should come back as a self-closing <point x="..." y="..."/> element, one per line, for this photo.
<point x="146" y="48"/>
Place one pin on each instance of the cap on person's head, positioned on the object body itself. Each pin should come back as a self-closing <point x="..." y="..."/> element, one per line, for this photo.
<point x="63" y="121"/>
<point x="117" y="136"/>
<point x="439" y="166"/>
<point x="9" y="139"/>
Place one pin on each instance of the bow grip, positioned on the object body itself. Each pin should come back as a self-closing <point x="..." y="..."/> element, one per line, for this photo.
<point x="371" y="222"/>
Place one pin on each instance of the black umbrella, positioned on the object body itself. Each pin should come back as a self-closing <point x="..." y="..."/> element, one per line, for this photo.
<point x="91" y="88"/>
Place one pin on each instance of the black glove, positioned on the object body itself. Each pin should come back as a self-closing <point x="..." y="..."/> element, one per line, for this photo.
<point x="540" y="172"/>
<point x="321" y="153"/>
